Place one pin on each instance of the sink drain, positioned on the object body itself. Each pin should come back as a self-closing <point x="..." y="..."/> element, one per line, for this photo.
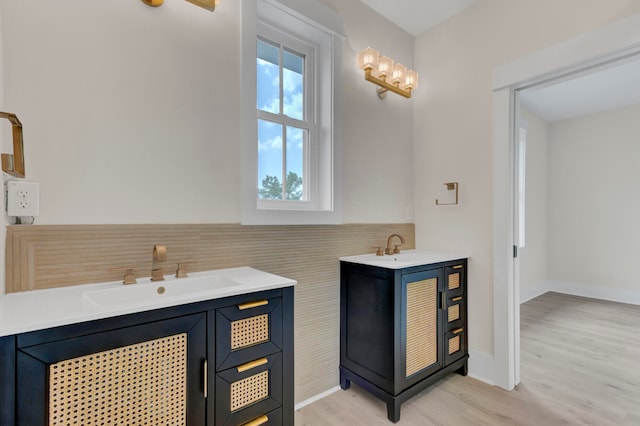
<point x="161" y="290"/>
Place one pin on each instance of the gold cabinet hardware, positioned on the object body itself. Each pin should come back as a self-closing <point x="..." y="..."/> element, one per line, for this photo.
<point x="456" y="299"/>
<point x="450" y="187"/>
<point x="458" y="330"/>
<point x="443" y="300"/>
<point x="205" y="378"/>
<point x="253" y="364"/>
<point x="257" y="422"/>
<point x="253" y="304"/>
<point x="457" y="267"/>
<point x="13" y="164"/>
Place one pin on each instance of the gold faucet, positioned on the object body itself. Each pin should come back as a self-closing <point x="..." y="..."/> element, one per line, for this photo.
<point x="159" y="255"/>
<point x="395" y="250"/>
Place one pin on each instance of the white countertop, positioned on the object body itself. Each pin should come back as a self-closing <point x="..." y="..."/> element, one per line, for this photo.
<point x="405" y="259"/>
<point x="40" y="309"/>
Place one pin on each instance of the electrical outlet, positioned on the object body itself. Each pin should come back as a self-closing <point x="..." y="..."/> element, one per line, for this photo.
<point x="23" y="198"/>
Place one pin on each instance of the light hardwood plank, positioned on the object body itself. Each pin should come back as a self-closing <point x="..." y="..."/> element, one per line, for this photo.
<point x="580" y="366"/>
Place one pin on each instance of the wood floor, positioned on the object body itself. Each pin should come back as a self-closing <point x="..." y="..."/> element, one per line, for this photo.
<point x="580" y="366"/>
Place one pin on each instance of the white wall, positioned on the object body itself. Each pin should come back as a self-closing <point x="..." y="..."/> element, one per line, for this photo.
<point x="453" y="127"/>
<point x="594" y="200"/>
<point x="131" y="114"/>
<point x="378" y="134"/>
<point x="533" y="256"/>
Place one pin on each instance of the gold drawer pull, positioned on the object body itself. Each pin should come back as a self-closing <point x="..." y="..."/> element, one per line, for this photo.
<point x="205" y="380"/>
<point x="252" y="364"/>
<point x="257" y="422"/>
<point x="457" y="267"/>
<point x="253" y="304"/>
<point x="457" y="331"/>
<point x="456" y="299"/>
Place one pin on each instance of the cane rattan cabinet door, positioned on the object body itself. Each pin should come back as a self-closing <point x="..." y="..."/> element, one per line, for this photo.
<point x="138" y="375"/>
<point x="420" y="321"/>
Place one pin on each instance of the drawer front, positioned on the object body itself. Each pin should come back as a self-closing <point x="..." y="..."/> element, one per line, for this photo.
<point x="248" y="331"/>
<point x="455" y="280"/>
<point x="455" y="345"/>
<point x="249" y="391"/>
<point x="455" y="314"/>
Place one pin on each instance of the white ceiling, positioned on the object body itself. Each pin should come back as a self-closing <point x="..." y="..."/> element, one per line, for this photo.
<point x="611" y="87"/>
<point x="417" y="16"/>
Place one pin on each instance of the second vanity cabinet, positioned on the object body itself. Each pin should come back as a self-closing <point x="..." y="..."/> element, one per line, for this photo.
<point x="402" y="329"/>
<point x="225" y="361"/>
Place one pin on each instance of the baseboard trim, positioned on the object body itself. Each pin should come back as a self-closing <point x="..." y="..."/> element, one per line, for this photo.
<point x="595" y="292"/>
<point x="316" y="398"/>
<point x="584" y="290"/>
<point x="538" y="289"/>
<point x="481" y="366"/>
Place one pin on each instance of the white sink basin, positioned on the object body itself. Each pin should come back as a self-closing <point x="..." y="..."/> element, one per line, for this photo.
<point x="148" y="292"/>
<point x="404" y="259"/>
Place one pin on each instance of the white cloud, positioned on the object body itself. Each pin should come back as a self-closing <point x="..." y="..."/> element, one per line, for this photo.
<point x="273" y="106"/>
<point x="270" y="144"/>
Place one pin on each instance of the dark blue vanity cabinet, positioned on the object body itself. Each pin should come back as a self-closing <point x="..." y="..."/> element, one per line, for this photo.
<point x="401" y="330"/>
<point x="226" y="361"/>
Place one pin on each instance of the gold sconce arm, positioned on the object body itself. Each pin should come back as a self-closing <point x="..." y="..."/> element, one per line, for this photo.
<point x="210" y="5"/>
<point x="13" y="164"/>
<point x="206" y="4"/>
<point x="384" y="86"/>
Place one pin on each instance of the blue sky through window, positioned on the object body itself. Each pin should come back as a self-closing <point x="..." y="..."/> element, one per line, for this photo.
<point x="272" y="160"/>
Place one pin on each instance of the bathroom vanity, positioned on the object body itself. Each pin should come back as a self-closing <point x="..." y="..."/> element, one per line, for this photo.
<point x="212" y="349"/>
<point x="403" y="323"/>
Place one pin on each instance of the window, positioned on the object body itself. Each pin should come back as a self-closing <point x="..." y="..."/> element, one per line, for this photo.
<point x="291" y="155"/>
<point x="284" y="108"/>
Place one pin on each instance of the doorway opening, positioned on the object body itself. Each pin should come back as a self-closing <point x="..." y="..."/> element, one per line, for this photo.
<point x="600" y="48"/>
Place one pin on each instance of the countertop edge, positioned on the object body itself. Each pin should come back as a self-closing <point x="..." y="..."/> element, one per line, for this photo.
<point x="19" y="312"/>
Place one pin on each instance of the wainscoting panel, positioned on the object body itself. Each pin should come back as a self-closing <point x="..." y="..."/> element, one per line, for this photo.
<point x="48" y="256"/>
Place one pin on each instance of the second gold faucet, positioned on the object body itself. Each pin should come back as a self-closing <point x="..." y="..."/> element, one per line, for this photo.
<point x="395" y="250"/>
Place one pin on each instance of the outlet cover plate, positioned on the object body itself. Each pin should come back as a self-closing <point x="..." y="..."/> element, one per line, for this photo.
<point x="23" y="198"/>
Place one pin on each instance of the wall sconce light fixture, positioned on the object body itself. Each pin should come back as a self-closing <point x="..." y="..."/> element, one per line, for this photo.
<point x="13" y="164"/>
<point x="390" y="76"/>
<point x="207" y="4"/>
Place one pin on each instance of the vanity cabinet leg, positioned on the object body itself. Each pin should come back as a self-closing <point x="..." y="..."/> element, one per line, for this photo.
<point x="344" y="382"/>
<point x="393" y="410"/>
<point x="464" y="370"/>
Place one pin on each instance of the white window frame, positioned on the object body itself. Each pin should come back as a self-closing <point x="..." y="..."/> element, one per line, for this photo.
<point x="318" y="28"/>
